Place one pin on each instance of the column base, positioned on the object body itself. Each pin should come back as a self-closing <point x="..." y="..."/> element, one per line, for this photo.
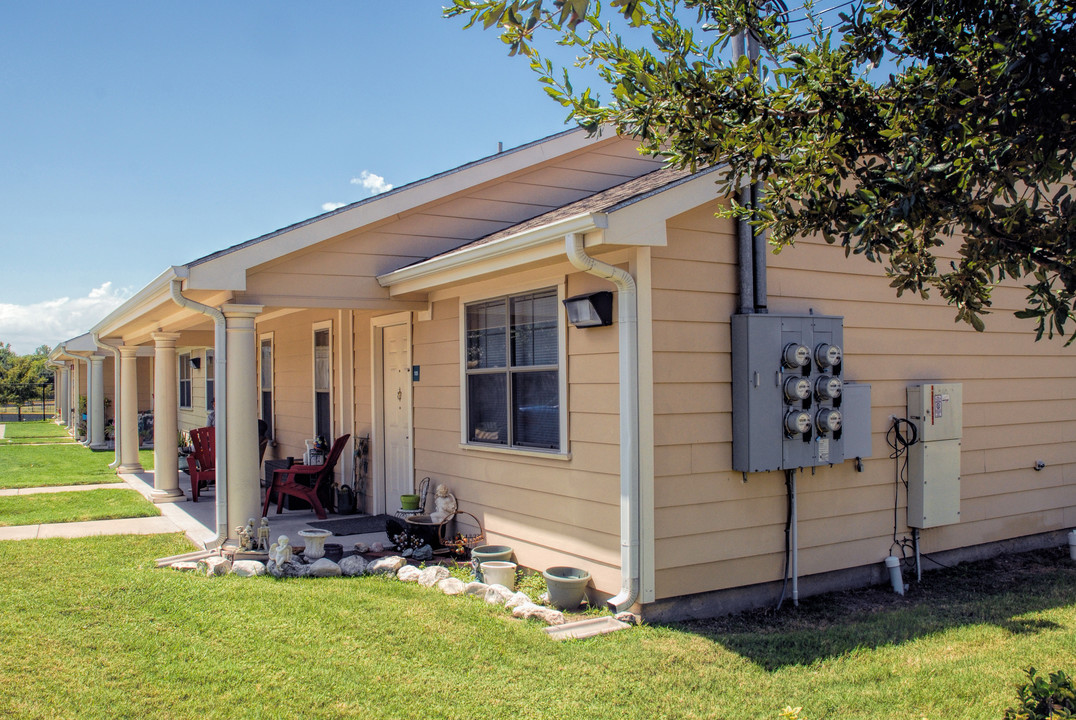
<point x="167" y="496"/>
<point x="130" y="469"/>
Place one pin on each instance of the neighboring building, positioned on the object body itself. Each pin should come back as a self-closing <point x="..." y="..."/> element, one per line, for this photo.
<point x="430" y="319"/>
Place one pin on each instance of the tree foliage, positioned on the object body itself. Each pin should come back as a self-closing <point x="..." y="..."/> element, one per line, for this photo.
<point x="968" y="142"/>
<point x="21" y="376"/>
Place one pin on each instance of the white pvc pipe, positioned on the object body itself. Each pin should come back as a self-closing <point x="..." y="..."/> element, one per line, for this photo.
<point x="794" y="539"/>
<point x="892" y="564"/>
<point x="1072" y="545"/>
<point x="220" y="396"/>
<point x="628" y="333"/>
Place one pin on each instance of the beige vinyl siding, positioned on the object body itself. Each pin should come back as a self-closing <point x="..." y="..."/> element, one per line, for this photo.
<point x="552" y="511"/>
<point x="715" y="531"/>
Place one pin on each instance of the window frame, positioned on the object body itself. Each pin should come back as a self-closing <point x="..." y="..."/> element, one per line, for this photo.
<point x="209" y="368"/>
<point x="264" y="413"/>
<point x="324" y="326"/>
<point x="186" y="377"/>
<point x="515" y="290"/>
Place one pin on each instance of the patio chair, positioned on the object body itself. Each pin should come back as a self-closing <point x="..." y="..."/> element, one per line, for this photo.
<point x="286" y="481"/>
<point x="202" y="465"/>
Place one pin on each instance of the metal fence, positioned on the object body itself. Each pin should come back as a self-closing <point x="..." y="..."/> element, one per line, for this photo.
<point x="41" y="406"/>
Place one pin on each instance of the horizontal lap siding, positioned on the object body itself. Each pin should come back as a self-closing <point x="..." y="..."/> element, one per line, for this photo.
<point x="552" y="512"/>
<point x="715" y="531"/>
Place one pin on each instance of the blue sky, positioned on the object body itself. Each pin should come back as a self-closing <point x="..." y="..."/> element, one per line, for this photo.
<point x="137" y="135"/>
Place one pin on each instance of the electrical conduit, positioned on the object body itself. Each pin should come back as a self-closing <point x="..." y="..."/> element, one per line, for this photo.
<point x="220" y="395"/>
<point x="628" y="333"/>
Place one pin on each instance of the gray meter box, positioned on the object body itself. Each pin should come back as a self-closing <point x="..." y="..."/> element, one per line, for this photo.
<point x="787" y="383"/>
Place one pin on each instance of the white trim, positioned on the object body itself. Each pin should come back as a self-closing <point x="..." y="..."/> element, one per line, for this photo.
<point x="377" y="405"/>
<point x="458" y="264"/>
<point x="315" y="328"/>
<point x="262" y="337"/>
<point x="564" y="450"/>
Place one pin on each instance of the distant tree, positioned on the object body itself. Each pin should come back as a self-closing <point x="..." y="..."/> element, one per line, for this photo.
<point x="969" y="139"/>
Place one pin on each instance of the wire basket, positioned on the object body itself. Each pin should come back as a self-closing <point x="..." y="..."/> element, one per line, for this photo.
<point x="463" y="543"/>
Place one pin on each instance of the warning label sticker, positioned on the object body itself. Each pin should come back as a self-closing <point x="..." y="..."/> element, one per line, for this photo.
<point x="823" y="450"/>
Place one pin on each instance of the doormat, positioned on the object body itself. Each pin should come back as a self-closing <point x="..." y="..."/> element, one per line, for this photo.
<point x="360" y="525"/>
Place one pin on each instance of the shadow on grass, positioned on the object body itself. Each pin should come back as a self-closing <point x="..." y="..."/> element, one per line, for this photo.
<point x="997" y="592"/>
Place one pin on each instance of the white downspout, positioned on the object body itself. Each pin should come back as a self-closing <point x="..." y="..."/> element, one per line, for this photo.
<point x="628" y="334"/>
<point x="116" y="391"/>
<point x="220" y="396"/>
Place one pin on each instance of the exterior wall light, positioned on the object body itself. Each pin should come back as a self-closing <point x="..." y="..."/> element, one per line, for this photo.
<point x="590" y="310"/>
<point x="196" y="363"/>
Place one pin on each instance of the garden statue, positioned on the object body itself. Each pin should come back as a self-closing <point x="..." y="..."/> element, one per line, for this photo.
<point x="244" y="538"/>
<point x="263" y="535"/>
<point x="444" y="504"/>
<point x="252" y="531"/>
<point x="281" y="551"/>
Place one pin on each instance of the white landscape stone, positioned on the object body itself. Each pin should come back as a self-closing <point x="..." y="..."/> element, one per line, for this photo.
<point x="353" y="565"/>
<point x="185" y="565"/>
<point x="518" y="599"/>
<point x="386" y="565"/>
<point x="408" y="573"/>
<point x="215" y="565"/>
<point x="248" y="568"/>
<point x="497" y="594"/>
<point x="325" y="567"/>
<point x="450" y="586"/>
<point x="431" y="575"/>
<point x="475" y="588"/>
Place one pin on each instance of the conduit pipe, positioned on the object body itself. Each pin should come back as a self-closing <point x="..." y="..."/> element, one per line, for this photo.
<point x="628" y="333"/>
<point x="116" y="421"/>
<point x="220" y="395"/>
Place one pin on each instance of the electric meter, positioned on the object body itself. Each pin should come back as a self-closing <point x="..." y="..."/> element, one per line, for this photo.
<point x="828" y="387"/>
<point x="828" y="420"/>
<point x="796" y="355"/>
<point x="827" y="355"/>
<point x="798" y="422"/>
<point x="797" y="388"/>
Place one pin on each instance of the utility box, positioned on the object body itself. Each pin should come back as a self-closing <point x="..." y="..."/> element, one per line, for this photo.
<point x="857" y="435"/>
<point x="937" y="411"/>
<point x="787" y="392"/>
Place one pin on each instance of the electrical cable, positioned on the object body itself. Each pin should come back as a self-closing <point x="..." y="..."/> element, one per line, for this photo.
<point x="900" y="442"/>
<point x="788" y="537"/>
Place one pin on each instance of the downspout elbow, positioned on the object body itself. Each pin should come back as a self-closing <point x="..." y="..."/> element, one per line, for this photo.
<point x="628" y="319"/>
<point x="220" y="396"/>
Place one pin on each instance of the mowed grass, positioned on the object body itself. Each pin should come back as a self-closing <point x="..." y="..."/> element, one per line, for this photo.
<point x="105" y="634"/>
<point x="75" y="506"/>
<point x="24" y="466"/>
<point x="34" y="432"/>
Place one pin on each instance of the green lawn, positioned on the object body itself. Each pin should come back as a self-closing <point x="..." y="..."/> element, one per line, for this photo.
<point x="34" y="432"/>
<point x="23" y="466"/>
<point x="104" y="634"/>
<point x="75" y="506"/>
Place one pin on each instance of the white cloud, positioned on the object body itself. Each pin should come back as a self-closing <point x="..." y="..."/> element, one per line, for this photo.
<point x="374" y="183"/>
<point x="27" y="327"/>
<point x="330" y="206"/>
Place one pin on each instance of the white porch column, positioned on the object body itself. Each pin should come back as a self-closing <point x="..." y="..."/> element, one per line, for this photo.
<point x="128" y="410"/>
<point x="95" y="403"/>
<point x="165" y="420"/>
<point x="63" y="390"/>
<point x="241" y="420"/>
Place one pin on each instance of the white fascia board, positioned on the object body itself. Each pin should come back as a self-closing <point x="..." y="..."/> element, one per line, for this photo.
<point x="227" y="271"/>
<point x="642" y="221"/>
<point x="83" y="344"/>
<point x="156" y="293"/>
<point x="511" y="250"/>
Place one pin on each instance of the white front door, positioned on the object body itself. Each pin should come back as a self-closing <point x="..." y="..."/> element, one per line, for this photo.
<point x="397" y="425"/>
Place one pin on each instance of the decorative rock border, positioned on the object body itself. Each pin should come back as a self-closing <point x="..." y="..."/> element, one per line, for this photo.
<point x="434" y="576"/>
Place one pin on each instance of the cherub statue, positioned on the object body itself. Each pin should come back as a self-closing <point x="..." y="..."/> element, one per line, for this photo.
<point x="282" y="550"/>
<point x="444" y="504"/>
<point x="263" y="534"/>
<point x="252" y="531"/>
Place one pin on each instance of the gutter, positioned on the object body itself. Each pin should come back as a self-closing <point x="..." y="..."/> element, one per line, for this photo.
<point x="116" y="420"/>
<point x="628" y="333"/>
<point x="220" y="396"/>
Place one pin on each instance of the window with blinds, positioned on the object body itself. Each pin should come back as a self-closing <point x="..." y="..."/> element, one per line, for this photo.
<point x="513" y="373"/>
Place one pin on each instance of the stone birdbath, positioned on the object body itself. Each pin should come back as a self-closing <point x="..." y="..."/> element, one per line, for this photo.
<point x="315" y="543"/>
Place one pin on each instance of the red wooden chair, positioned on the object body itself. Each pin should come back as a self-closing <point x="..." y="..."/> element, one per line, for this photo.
<point x="285" y="481"/>
<point x="202" y="465"/>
